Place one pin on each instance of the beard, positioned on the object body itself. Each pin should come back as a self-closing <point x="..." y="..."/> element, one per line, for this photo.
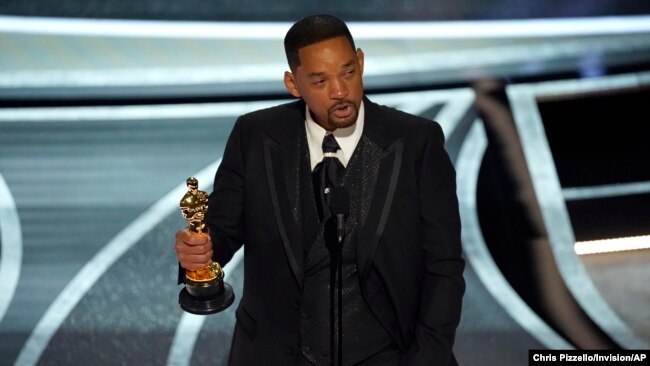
<point x="342" y="114"/>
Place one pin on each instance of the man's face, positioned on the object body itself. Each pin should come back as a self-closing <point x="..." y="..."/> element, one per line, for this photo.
<point x="329" y="79"/>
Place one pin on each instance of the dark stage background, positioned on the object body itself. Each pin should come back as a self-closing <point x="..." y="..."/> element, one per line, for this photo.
<point x="291" y="10"/>
<point x="107" y="106"/>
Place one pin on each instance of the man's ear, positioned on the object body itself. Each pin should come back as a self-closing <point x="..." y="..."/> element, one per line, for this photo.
<point x="290" y="84"/>
<point x="360" y="59"/>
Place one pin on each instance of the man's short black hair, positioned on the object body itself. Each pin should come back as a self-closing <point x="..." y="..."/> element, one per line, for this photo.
<point x="310" y="30"/>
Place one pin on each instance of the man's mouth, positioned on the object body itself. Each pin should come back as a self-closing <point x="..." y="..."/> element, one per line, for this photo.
<point x="343" y="110"/>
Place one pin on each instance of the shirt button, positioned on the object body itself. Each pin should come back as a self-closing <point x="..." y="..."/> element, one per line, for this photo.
<point x="289" y="351"/>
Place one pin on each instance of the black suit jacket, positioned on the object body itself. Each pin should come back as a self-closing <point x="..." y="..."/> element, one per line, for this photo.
<point x="408" y="250"/>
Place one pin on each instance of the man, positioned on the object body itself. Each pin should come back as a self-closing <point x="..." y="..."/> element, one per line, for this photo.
<point x="401" y="258"/>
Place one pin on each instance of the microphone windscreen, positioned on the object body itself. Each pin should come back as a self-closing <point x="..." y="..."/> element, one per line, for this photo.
<point x="339" y="201"/>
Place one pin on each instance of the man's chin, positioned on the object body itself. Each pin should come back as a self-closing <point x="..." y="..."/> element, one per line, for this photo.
<point x="343" y="122"/>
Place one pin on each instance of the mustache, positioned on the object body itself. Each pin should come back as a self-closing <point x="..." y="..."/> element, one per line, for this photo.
<point x="341" y="103"/>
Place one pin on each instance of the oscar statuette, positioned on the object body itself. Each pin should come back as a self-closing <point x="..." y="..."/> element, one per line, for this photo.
<point x="204" y="292"/>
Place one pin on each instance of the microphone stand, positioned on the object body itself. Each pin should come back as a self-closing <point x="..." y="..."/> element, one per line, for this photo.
<point x="340" y="232"/>
<point x="333" y="272"/>
<point x="339" y="207"/>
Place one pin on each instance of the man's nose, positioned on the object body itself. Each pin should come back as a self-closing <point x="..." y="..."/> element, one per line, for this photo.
<point x="339" y="90"/>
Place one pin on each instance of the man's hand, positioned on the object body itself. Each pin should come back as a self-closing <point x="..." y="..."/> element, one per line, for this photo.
<point x="194" y="251"/>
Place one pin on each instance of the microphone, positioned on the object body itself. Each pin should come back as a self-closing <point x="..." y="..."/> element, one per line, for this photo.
<point x="339" y="207"/>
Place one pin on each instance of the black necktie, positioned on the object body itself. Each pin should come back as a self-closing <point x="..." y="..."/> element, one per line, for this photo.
<point x="326" y="175"/>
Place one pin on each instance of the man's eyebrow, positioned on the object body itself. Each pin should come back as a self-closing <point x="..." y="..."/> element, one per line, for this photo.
<point x="322" y="73"/>
<point x="348" y="64"/>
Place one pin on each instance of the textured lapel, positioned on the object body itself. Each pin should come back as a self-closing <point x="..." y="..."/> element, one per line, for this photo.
<point x="283" y="157"/>
<point x="386" y="160"/>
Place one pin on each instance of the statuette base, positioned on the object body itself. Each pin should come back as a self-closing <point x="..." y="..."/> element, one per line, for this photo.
<point x="206" y="305"/>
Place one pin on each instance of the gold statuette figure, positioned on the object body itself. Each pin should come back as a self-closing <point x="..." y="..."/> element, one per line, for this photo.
<point x="194" y="205"/>
<point x="204" y="292"/>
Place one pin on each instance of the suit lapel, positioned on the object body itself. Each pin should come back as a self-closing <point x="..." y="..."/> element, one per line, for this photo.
<point x="384" y="154"/>
<point x="283" y="162"/>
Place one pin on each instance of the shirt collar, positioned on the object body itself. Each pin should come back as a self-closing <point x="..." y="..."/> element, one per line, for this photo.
<point x="347" y="138"/>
